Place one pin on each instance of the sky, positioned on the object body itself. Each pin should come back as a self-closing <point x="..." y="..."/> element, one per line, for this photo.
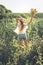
<point x="22" y="5"/>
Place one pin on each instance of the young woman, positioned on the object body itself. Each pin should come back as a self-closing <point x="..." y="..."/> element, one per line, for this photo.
<point x="21" y="31"/>
<point x="21" y="28"/>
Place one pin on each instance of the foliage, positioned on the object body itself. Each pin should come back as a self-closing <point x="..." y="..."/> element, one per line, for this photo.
<point x="13" y="52"/>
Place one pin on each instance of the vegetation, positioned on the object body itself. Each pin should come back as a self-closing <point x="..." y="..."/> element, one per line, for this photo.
<point x="13" y="52"/>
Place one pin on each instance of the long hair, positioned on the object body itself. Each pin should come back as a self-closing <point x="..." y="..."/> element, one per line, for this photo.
<point x="22" y="23"/>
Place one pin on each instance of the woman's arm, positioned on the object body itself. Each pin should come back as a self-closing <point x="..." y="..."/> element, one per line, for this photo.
<point x="33" y="12"/>
<point x="30" y="20"/>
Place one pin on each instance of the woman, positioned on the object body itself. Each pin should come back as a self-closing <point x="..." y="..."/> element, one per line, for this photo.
<point x="21" y="28"/>
<point x="21" y="31"/>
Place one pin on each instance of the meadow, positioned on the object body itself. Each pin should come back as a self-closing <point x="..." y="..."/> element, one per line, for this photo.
<point x="13" y="52"/>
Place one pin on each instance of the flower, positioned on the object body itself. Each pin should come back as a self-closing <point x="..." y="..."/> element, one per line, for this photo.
<point x="33" y="11"/>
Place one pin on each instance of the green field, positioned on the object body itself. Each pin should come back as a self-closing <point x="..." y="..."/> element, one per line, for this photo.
<point x="13" y="52"/>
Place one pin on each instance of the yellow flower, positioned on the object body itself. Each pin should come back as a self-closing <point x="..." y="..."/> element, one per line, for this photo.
<point x="33" y="11"/>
